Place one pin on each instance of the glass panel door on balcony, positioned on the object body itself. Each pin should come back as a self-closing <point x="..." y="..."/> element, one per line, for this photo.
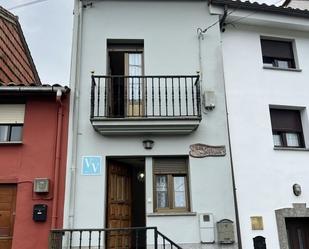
<point x="125" y="87"/>
<point x="134" y="85"/>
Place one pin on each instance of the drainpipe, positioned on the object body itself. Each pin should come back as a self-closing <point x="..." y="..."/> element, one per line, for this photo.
<point x="231" y="157"/>
<point x="74" y="118"/>
<point x="57" y="160"/>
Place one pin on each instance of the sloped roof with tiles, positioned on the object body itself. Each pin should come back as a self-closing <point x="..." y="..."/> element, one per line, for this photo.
<point x="255" y="6"/>
<point x="16" y="63"/>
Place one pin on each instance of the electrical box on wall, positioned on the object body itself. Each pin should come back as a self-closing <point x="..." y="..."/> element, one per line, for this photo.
<point x="41" y="185"/>
<point x="209" y="100"/>
<point x="39" y="212"/>
<point x="226" y="231"/>
<point x="207" y="230"/>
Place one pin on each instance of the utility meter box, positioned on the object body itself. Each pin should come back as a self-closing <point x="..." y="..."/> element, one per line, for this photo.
<point x="226" y="233"/>
<point x="209" y="100"/>
<point x="41" y="185"/>
<point x="207" y="229"/>
<point x="40" y="212"/>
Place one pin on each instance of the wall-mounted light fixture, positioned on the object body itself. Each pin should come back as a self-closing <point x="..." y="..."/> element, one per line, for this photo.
<point x="141" y="176"/>
<point x="148" y="144"/>
<point x="297" y="189"/>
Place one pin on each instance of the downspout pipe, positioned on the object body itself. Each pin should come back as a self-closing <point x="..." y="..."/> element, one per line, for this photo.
<point x="231" y="157"/>
<point x="74" y="117"/>
<point x="57" y="160"/>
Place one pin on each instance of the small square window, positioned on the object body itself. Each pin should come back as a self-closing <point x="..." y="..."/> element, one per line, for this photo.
<point x="287" y="128"/>
<point x="171" y="185"/>
<point x="278" y="53"/>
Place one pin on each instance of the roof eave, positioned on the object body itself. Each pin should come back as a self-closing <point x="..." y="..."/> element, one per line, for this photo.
<point x="34" y="89"/>
<point x="261" y="7"/>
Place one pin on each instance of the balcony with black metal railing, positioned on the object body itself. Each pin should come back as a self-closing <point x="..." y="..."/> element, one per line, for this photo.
<point x="124" y="105"/>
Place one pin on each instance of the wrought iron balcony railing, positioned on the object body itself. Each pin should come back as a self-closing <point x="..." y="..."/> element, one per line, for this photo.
<point x="145" y="97"/>
<point x="110" y="238"/>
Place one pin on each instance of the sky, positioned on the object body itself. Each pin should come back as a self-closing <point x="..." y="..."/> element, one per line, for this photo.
<point x="47" y="27"/>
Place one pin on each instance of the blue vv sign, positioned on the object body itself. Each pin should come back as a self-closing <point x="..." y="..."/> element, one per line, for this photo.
<point x="92" y="165"/>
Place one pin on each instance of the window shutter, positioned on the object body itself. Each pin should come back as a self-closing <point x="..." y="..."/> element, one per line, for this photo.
<point x="170" y="165"/>
<point x="125" y="45"/>
<point x="277" y="49"/>
<point x="285" y="120"/>
<point x="12" y="113"/>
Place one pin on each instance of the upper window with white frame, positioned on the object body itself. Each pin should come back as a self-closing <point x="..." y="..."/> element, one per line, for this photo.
<point x="11" y="122"/>
<point x="278" y="53"/>
<point x="287" y="128"/>
<point x="171" y="192"/>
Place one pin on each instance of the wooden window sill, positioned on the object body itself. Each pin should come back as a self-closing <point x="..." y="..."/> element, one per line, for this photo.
<point x="160" y="214"/>
<point x="291" y="148"/>
<point x="283" y="69"/>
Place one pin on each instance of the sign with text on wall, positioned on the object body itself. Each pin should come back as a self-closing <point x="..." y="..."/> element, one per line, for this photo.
<point x="92" y="165"/>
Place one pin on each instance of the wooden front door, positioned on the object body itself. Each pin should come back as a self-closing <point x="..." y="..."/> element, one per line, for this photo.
<point x="119" y="205"/>
<point x="298" y="233"/>
<point x="7" y="214"/>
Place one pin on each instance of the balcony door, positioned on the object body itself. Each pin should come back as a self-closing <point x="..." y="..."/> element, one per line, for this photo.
<point x="125" y="88"/>
<point x="134" y="84"/>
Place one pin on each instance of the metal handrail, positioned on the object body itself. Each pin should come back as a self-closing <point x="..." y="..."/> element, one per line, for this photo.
<point x="102" y="229"/>
<point x="85" y="237"/>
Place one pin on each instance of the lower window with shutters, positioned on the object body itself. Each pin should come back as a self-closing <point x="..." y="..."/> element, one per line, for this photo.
<point x="11" y="122"/>
<point x="278" y="53"/>
<point x="287" y="128"/>
<point x="171" y="192"/>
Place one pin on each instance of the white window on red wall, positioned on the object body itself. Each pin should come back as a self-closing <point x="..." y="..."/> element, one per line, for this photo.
<point x="11" y="122"/>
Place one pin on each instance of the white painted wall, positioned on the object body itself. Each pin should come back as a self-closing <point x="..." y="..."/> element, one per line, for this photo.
<point x="169" y="30"/>
<point x="264" y="176"/>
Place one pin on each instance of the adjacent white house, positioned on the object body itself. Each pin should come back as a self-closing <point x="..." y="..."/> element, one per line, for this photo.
<point x="266" y="71"/>
<point x="148" y="141"/>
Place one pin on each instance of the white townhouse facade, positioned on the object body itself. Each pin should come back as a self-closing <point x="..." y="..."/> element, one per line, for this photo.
<point x="148" y="140"/>
<point x="266" y="70"/>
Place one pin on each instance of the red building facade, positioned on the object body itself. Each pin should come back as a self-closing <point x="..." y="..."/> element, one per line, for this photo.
<point x="33" y="145"/>
<point x="29" y="160"/>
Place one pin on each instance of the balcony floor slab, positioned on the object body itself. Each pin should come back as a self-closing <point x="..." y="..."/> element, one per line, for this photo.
<point x="142" y="126"/>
